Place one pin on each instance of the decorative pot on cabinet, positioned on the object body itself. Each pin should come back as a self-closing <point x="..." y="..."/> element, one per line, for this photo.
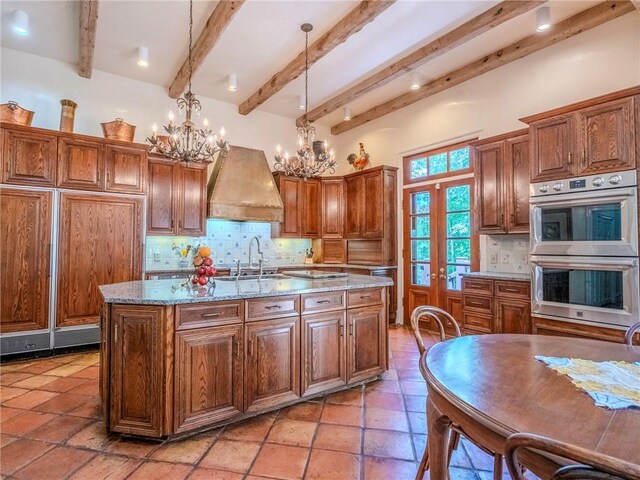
<point x="67" y="115"/>
<point x="118" y="129"/>
<point x="11" y="112"/>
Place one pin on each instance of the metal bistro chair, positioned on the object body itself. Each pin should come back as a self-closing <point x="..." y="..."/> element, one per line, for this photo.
<point x="583" y="464"/>
<point x="438" y="314"/>
<point x="631" y="331"/>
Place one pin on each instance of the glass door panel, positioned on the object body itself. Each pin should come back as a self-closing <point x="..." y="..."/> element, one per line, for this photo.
<point x="458" y="234"/>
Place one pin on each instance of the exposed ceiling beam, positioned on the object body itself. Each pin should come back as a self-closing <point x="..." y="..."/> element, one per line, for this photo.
<point x="350" y="24"/>
<point x="636" y="3"/>
<point x="88" y="23"/>
<point x="211" y="33"/>
<point x="491" y="18"/>
<point x="601" y="13"/>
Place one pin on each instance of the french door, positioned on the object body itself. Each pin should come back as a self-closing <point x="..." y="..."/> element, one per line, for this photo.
<point x="439" y="244"/>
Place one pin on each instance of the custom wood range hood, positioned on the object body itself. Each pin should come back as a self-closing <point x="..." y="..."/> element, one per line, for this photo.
<point x="241" y="187"/>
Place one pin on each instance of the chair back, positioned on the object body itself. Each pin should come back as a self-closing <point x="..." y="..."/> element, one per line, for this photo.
<point x="584" y="464"/>
<point x="440" y="316"/>
<point x="631" y="331"/>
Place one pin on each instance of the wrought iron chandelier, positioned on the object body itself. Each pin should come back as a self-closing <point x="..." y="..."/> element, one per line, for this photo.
<point x="312" y="158"/>
<point x="186" y="142"/>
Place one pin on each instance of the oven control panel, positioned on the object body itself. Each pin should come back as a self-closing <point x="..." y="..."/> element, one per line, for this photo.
<point x="583" y="184"/>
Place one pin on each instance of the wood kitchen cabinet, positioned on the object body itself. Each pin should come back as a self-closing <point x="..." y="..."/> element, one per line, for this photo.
<point x="272" y="359"/>
<point x="176" y="198"/>
<point x="354" y="217"/>
<point x="80" y="164"/>
<point x="25" y="236"/>
<point x="495" y="306"/>
<point x="302" y="201"/>
<point x="100" y="242"/>
<point x="323" y="351"/>
<point x="599" y="135"/>
<point x="332" y="208"/>
<point x="502" y="183"/>
<point x="365" y="213"/>
<point x="29" y="156"/>
<point x="208" y="384"/>
<point x="366" y="342"/>
<point x="126" y="169"/>
<point x="137" y="404"/>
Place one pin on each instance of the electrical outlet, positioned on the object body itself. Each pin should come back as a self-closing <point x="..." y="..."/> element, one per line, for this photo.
<point x="524" y="258"/>
<point x="156" y="256"/>
<point x="493" y="258"/>
<point x="505" y="258"/>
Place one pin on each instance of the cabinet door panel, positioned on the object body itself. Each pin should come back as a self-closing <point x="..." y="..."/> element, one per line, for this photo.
<point x="332" y="208"/>
<point x="192" y="201"/>
<point x="29" y="158"/>
<point x="311" y="208"/>
<point x="513" y="316"/>
<point x="323" y="352"/>
<point x="552" y="145"/>
<point x="161" y="209"/>
<point x="489" y="162"/>
<point x="607" y="137"/>
<point x="291" y="194"/>
<point x="25" y="236"/>
<point x="354" y="207"/>
<point x="126" y="169"/>
<point x="208" y="384"/>
<point x="373" y="222"/>
<point x="80" y="164"/>
<point x="271" y="363"/>
<point x="366" y="344"/>
<point x="517" y="184"/>
<point x="100" y="242"/>
<point x="136" y="370"/>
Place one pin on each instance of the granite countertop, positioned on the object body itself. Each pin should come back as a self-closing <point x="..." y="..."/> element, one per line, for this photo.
<point x="523" y="277"/>
<point x="307" y="266"/>
<point x="171" y="292"/>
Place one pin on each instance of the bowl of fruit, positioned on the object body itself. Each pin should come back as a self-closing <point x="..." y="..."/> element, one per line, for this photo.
<point x="205" y="271"/>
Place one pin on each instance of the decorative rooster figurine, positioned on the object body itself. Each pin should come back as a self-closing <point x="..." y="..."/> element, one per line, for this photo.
<point x="359" y="161"/>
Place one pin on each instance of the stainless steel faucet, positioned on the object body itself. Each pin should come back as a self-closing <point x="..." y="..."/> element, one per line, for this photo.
<point x="238" y="269"/>
<point x="261" y="260"/>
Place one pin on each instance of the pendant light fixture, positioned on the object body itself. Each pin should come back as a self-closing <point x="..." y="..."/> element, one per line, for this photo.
<point x="186" y="142"/>
<point x="312" y="158"/>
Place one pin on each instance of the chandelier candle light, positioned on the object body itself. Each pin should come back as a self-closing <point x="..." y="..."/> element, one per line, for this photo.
<point x="308" y="161"/>
<point x="185" y="142"/>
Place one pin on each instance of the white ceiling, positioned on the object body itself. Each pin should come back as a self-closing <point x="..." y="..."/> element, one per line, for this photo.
<point x="262" y="38"/>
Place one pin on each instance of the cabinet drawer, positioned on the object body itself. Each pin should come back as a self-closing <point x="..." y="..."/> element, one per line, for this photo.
<point x="478" y="286"/>
<point x="476" y="322"/>
<point x="513" y="289"/>
<point x="208" y="314"/>
<point x="361" y="298"/>
<point x="479" y="304"/>
<point x="322" y="302"/>
<point x="274" y="307"/>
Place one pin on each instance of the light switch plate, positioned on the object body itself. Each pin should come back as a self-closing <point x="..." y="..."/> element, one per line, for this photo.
<point x="505" y="258"/>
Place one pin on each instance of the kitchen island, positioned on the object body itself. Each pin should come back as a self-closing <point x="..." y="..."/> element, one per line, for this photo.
<point x="177" y="359"/>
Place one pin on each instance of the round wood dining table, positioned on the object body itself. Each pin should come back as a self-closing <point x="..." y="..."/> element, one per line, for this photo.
<point x="491" y="386"/>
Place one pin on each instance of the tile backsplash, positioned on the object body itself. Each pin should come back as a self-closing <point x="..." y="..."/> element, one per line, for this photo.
<point x="504" y="253"/>
<point x="228" y="240"/>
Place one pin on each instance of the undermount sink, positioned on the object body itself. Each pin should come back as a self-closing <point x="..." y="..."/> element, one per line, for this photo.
<point x="266" y="276"/>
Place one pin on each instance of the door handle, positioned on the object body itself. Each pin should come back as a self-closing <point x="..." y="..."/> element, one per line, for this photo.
<point x="433" y="275"/>
<point x="442" y="275"/>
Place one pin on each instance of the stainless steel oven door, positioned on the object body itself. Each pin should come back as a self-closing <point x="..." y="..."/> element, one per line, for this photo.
<point x="585" y="289"/>
<point x="600" y="223"/>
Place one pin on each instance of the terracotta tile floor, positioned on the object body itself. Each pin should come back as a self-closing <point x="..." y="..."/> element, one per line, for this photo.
<point x="51" y="428"/>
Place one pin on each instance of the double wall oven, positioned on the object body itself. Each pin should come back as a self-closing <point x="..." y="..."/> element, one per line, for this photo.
<point x="584" y="249"/>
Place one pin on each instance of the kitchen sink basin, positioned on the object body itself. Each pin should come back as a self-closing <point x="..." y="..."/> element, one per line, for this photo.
<point x="268" y="276"/>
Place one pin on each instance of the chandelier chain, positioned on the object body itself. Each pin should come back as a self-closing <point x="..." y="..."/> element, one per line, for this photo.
<point x="306" y="76"/>
<point x="190" y="40"/>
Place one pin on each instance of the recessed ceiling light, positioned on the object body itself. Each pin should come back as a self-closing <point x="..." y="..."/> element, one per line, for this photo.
<point x="347" y="114"/>
<point x="20" y="23"/>
<point x="301" y="104"/>
<point x="543" y="19"/>
<point x="415" y="81"/>
<point x="232" y="82"/>
<point x="143" y="57"/>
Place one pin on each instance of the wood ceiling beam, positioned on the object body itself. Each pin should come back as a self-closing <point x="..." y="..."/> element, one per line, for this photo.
<point x="87" y="44"/>
<point x="491" y="18"/>
<point x="211" y="33"/>
<point x="636" y="3"/>
<point x="601" y="13"/>
<point x="364" y="13"/>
